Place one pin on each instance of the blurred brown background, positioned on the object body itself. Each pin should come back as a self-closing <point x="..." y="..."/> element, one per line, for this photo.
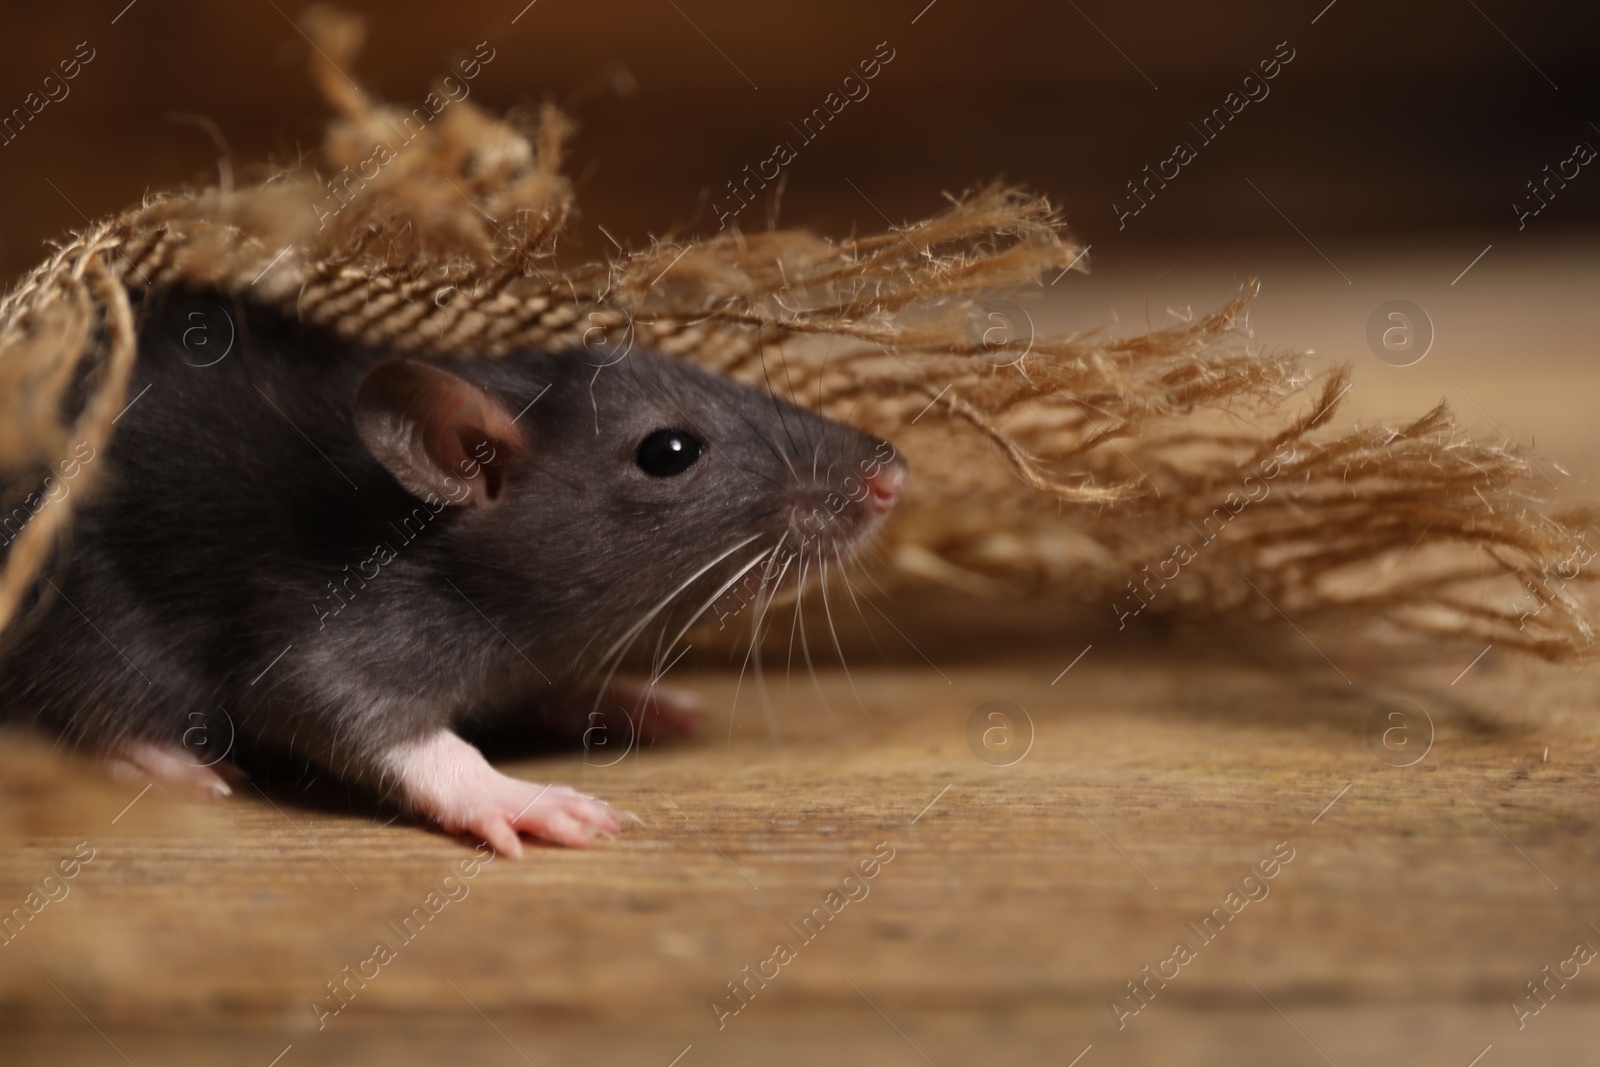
<point x="1392" y="121"/>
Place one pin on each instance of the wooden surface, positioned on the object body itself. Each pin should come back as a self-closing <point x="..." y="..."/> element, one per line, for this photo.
<point x="1017" y="904"/>
<point x="1020" y="898"/>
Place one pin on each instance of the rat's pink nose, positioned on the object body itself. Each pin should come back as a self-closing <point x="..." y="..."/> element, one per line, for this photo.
<point x="883" y="488"/>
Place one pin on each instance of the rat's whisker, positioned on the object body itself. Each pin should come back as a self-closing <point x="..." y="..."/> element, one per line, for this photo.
<point x="694" y="618"/>
<point x="772" y="393"/>
<point x="757" y="433"/>
<point x="863" y="596"/>
<point x="642" y="623"/>
<point x="805" y="651"/>
<point x="761" y="677"/>
<point x="867" y="573"/>
<point x="827" y="611"/>
<point x="844" y="576"/>
<point x="794" y="395"/>
<point x="619" y="649"/>
<point x="794" y="624"/>
<point x="763" y="602"/>
<point x="601" y="692"/>
<point x="738" y="685"/>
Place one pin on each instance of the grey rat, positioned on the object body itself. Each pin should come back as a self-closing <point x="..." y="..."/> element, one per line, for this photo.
<point x="350" y="554"/>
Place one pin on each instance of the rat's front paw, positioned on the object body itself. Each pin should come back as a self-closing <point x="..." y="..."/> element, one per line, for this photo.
<point x="447" y="779"/>
<point x="624" y="713"/>
<point x="172" y="767"/>
<point x="510" y="806"/>
<point x="662" y="711"/>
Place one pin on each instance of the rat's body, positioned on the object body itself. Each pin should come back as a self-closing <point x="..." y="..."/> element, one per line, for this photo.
<point x="344" y="554"/>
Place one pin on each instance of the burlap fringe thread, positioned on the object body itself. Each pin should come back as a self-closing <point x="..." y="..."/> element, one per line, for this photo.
<point x="1085" y="464"/>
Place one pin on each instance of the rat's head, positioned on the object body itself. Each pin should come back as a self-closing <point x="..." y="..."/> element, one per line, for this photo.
<point x="630" y="498"/>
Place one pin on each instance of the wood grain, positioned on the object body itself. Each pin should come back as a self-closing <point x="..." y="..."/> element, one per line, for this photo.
<point x="1019" y="900"/>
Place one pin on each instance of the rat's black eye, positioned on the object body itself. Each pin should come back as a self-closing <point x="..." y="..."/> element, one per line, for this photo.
<point x="668" y="452"/>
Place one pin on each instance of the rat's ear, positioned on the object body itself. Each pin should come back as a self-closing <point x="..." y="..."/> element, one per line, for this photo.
<point x="435" y="432"/>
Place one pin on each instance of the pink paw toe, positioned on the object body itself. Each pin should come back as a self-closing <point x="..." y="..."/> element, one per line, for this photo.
<point x="448" y="779"/>
<point x="170" y="768"/>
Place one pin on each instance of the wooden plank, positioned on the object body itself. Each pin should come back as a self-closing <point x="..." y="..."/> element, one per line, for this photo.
<point x="1018" y="902"/>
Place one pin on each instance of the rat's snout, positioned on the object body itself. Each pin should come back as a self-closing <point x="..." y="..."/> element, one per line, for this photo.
<point x="884" y="487"/>
<point x="850" y="506"/>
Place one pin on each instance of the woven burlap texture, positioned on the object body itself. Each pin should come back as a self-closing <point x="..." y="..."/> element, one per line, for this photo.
<point x="1184" y="467"/>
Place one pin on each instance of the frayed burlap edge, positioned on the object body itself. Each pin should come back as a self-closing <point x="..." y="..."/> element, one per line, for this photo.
<point x="1183" y="470"/>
